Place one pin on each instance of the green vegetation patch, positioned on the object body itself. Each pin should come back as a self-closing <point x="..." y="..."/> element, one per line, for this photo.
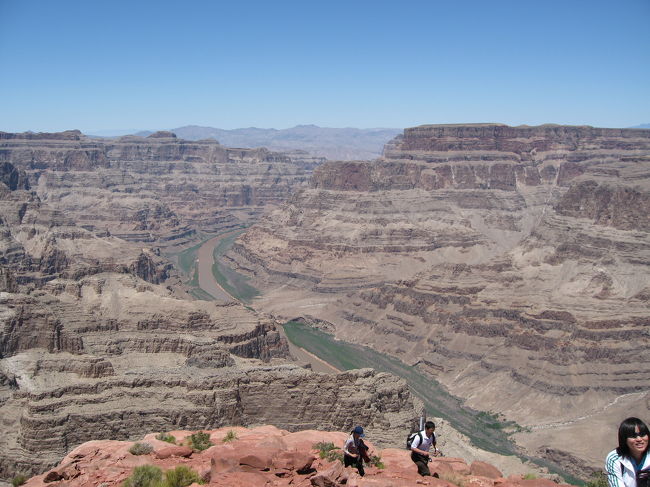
<point x="144" y="476"/>
<point x="181" y="476"/>
<point x="200" y="441"/>
<point x="166" y="437"/>
<point x="328" y="451"/>
<point x="230" y="436"/>
<point x="597" y="479"/>
<point x="151" y="476"/>
<point x="18" y="480"/>
<point x="141" y="449"/>
<point x="375" y="461"/>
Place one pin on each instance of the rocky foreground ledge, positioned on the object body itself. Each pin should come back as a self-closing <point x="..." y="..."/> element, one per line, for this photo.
<point x="264" y="456"/>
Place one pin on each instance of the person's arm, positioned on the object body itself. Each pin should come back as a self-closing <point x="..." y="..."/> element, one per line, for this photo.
<point x="613" y="470"/>
<point x="414" y="447"/>
<point x="346" y="450"/>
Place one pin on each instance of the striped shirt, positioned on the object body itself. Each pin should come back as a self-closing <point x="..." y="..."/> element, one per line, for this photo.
<point x="621" y="471"/>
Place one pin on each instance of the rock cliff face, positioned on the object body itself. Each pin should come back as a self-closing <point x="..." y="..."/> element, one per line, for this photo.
<point x="128" y="405"/>
<point x="510" y="263"/>
<point x="153" y="189"/>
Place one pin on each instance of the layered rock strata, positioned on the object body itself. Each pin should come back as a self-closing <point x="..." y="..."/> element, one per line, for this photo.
<point x="94" y="343"/>
<point x="153" y="189"/>
<point x="128" y="405"/>
<point x="510" y="263"/>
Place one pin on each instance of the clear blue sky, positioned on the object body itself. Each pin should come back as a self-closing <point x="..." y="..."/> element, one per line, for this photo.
<point x="97" y="65"/>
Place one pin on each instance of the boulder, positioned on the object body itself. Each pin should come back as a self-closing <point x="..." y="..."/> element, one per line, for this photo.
<point x="173" y="451"/>
<point x="483" y="469"/>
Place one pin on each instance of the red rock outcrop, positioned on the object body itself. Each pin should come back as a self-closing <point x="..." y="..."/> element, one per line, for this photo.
<point x="266" y="456"/>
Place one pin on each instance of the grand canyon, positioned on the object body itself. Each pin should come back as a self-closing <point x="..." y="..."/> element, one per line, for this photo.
<point x="508" y="264"/>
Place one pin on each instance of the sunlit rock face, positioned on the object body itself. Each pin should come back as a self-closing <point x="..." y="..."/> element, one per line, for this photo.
<point x="510" y="263"/>
<point x="159" y="188"/>
<point x="96" y="342"/>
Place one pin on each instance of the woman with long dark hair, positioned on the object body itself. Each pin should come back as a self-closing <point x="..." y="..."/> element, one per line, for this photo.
<point x="629" y="464"/>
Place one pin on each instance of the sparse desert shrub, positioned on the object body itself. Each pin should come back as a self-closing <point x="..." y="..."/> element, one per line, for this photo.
<point x="597" y="479"/>
<point x="144" y="476"/>
<point x="328" y="451"/>
<point x="375" y="461"/>
<point x="181" y="476"/>
<point x="323" y="448"/>
<point x="141" y="449"/>
<point x="200" y="441"/>
<point x="166" y="437"/>
<point x="454" y="478"/>
<point x="529" y="476"/>
<point x="18" y="480"/>
<point x="230" y="436"/>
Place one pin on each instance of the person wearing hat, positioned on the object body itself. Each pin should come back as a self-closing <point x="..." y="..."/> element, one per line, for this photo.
<point x="353" y="450"/>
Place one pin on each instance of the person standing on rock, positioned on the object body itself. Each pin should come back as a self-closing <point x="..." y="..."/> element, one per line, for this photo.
<point x="629" y="464"/>
<point x="354" y="450"/>
<point x="420" y="446"/>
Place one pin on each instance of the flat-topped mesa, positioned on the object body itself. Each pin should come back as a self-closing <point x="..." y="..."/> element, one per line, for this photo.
<point x="490" y="156"/>
<point x="523" y="140"/>
<point x="71" y="150"/>
<point x="66" y="135"/>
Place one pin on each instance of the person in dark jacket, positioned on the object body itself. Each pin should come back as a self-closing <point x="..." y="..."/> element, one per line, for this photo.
<point x="353" y="450"/>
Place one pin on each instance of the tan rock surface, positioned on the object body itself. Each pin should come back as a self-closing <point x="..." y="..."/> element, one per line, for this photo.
<point x="510" y="263"/>
<point x="94" y="344"/>
<point x="154" y="189"/>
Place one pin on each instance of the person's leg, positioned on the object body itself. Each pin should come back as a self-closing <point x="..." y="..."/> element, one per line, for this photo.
<point x="349" y="461"/>
<point x="362" y="472"/>
<point x="422" y="463"/>
<point x="423" y="467"/>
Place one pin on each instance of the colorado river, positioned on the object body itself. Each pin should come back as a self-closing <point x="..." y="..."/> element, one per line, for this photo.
<point x="204" y="262"/>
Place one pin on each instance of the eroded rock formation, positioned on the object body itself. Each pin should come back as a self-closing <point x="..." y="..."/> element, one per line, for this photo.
<point x="510" y="263"/>
<point x="153" y="189"/>
<point x="95" y="343"/>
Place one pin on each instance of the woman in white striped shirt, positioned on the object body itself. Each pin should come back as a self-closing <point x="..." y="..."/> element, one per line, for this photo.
<point x="629" y="464"/>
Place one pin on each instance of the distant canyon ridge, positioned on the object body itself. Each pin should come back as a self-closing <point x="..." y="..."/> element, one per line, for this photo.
<point x="509" y="263"/>
<point x="331" y="143"/>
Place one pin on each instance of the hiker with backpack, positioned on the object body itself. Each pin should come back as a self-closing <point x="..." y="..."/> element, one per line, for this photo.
<point x="629" y="464"/>
<point x="420" y="443"/>
<point x="355" y="450"/>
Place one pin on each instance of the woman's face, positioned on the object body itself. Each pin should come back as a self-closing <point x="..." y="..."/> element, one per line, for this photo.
<point x="637" y="444"/>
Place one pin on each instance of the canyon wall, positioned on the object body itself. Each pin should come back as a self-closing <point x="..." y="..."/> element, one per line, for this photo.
<point x="512" y="264"/>
<point x="96" y="342"/>
<point x="157" y="189"/>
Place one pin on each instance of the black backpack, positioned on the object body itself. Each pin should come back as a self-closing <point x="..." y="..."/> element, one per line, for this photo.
<point x="411" y="437"/>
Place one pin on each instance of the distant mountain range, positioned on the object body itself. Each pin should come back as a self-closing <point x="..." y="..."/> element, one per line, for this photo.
<point x="642" y="126"/>
<point x="332" y="143"/>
